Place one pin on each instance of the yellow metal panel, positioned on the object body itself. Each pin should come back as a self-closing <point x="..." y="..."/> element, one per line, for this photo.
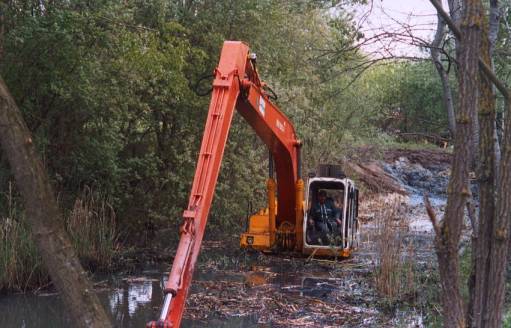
<point x="257" y="241"/>
<point x="259" y="223"/>
<point x="327" y="252"/>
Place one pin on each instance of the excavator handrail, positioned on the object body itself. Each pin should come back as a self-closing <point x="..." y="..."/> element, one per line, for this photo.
<point x="236" y="86"/>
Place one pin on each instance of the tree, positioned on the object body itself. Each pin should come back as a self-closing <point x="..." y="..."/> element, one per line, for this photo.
<point x="447" y="96"/>
<point x="448" y="231"/>
<point x="491" y="230"/>
<point x="45" y="220"/>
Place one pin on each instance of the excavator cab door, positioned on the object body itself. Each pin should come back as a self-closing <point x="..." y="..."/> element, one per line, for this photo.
<point x="342" y="196"/>
<point x="351" y="217"/>
<point x="315" y="230"/>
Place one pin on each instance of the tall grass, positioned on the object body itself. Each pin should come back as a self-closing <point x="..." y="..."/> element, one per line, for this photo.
<point x="20" y="264"/>
<point x="393" y="257"/>
<point x="91" y="224"/>
<point x="92" y="227"/>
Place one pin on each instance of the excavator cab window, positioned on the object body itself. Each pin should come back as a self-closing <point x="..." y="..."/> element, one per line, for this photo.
<point x="323" y="229"/>
<point x="343" y="196"/>
<point x="351" y="222"/>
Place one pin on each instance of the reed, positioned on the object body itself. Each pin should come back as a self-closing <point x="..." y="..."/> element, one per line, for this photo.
<point x="92" y="227"/>
<point x="91" y="224"/>
<point x="20" y="264"/>
<point x="393" y="256"/>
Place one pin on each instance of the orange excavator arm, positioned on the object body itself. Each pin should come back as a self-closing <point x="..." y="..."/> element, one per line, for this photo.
<point x="236" y="86"/>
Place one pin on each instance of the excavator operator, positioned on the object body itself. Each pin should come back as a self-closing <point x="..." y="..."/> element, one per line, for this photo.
<point x="324" y="217"/>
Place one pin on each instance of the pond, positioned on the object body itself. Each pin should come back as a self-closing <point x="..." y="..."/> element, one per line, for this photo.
<point x="280" y="291"/>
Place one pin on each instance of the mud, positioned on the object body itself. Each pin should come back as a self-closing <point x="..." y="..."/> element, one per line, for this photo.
<point x="290" y="291"/>
<point x="417" y="179"/>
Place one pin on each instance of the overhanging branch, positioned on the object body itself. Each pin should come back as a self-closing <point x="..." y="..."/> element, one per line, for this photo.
<point x="485" y="69"/>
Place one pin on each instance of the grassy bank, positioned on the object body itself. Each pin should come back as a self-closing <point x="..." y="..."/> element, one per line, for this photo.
<point x="91" y="227"/>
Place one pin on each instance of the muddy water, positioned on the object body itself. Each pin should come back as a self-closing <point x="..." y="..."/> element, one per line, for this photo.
<point x="233" y="290"/>
<point x="282" y="292"/>
<point x="252" y="291"/>
<point x="132" y="302"/>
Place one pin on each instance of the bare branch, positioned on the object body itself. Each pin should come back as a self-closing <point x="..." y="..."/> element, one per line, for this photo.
<point x="447" y="97"/>
<point x="437" y="226"/>
<point x="455" y="30"/>
<point x="482" y="65"/>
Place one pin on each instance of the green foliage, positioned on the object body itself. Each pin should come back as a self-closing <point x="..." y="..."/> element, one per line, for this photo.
<point x="111" y="91"/>
<point x="106" y="99"/>
<point x="409" y="97"/>
<point x="507" y="320"/>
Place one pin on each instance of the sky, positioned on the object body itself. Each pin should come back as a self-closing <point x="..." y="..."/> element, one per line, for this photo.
<point x="409" y="21"/>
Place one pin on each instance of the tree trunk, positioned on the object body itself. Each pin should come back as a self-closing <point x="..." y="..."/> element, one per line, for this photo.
<point x="455" y="12"/>
<point x="457" y="9"/>
<point x="501" y="233"/>
<point x="444" y="77"/>
<point x="493" y="33"/>
<point x="493" y="229"/>
<point x="448" y="232"/>
<point x="486" y="180"/>
<point x="45" y="220"/>
<point x="494" y="24"/>
<point x="2" y="32"/>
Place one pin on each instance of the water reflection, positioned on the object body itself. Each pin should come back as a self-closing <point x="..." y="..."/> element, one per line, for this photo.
<point x="132" y="303"/>
<point x="27" y="311"/>
<point x="135" y="295"/>
<point x="135" y="300"/>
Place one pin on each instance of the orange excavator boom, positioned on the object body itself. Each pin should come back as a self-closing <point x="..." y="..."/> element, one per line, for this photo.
<point x="236" y="86"/>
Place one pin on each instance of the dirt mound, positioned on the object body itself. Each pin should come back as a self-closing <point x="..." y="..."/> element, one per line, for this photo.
<point x="428" y="158"/>
<point x="402" y="171"/>
<point x="373" y="176"/>
<point x="419" y="179"/>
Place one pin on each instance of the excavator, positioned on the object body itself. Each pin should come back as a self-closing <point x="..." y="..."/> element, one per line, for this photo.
<point x="285" y="224"/>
